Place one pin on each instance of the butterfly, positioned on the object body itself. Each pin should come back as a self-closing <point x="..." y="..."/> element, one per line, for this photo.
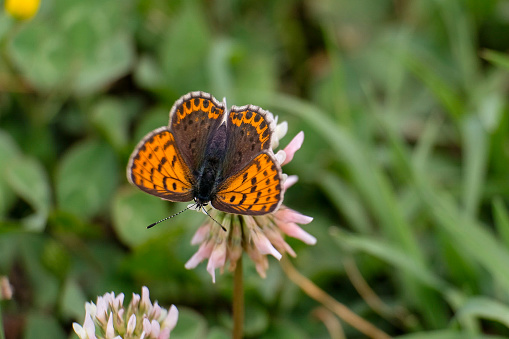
<point x="208" y="154"/>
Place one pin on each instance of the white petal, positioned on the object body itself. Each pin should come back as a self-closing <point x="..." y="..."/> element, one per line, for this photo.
<point x="280" y="156"/>
<point x="101" y="310"/>
<point x="172" y="318"/>
<point x="202" y="253"/>
<point x="264" y="246"/>
<point x="131" y="324"/>
<point x="290" y="181"/>
<point x="289" y="215"/>
<point x="80" y="331"/>
<point x="165" y="334"/>
<point x="135" y="300"/>
<point x="147" y="328"/>
<point x="281" y="129"/>
<point x="119" y="301"/>
<point x="156" y="328"/>
<point x="145" y="298"/>
<point x="91" y="309"/>
<point x="110" y="331"/>
<point x="201" y="234"/>
<point x="293" y="147"/>
<point x="217" y="259"/>
<point x="89" y="326"/>
<point x="293" y="230"/>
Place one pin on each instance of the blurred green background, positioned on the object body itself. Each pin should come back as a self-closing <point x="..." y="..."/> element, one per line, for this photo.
<point x="404" y="168"/>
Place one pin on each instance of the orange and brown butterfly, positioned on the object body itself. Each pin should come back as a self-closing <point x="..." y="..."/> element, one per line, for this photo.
<point x="211" y="155"/>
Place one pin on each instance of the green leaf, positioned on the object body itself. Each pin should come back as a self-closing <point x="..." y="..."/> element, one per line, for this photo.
<point x="256" y="320"/>
<point x="86" y="179"/>
<point x="28" y="179"/>
<point x="346" y="201"/>
<point x="285" y="330"/>
<point x="152" y="119"/>
<point x="392" y="255"/>
<point x="501" y="219"/>
<point x="8" y="151"/>
<point x="101" y="50"/>
<point x="56" y="258"/>
<point x="112" y="59"/>
<point x="190" y="325"/>
<point x="497" y="58"/>
<point x="447" y="334"/>
<point x="44" y="284"/>
<point x="41" y="326"/>
<point x="9" y="249"/>
<point x="485" y="308"/>
<point x="438" y="83"/>
<point x="182" y="49"/>
<point x="471" y="237"/>
<point x="475" y="146"/>
<point x="72" y="301"/>
<point x="218" y="333"/>
<point x="112" y="116"/>
<point x="133" y="211"/>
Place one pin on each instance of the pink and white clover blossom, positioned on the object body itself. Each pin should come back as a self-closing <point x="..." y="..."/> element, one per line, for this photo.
<point x="139" y="320"/>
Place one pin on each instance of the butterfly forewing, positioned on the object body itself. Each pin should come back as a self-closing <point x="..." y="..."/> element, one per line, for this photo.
<point x="193" y="118"/>
<point x="256" y="189"/>
<point x="248" y="133"/>
<point x="157" y="167"/>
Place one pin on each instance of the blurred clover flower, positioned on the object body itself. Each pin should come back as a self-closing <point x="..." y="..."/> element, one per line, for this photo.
<point x="108" y="319"/>
<point x="5" y="288"/>
<point x="22" y="9"/>
<point x="257" y="235"/>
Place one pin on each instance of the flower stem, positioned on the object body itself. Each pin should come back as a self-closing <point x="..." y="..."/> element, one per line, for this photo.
<point x="238" y="301"/>
<point x="332" y="304"/>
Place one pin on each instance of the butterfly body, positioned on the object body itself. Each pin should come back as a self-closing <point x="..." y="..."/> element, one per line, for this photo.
<point x="211" y="155"/>
<point x="208" y="176"/>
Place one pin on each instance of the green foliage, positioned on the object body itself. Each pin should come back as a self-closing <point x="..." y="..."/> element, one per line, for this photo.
<point x="404" y="168"/>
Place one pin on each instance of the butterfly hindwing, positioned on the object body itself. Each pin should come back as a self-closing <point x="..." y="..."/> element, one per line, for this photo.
<point x="157" y="167"/>
<point x="256" y="189"/>
<point x="193" y="118"/>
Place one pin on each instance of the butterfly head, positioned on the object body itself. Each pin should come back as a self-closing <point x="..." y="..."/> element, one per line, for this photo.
<point x="200" y="203"/>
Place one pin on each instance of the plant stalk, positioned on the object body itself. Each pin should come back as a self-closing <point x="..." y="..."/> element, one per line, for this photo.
<point x="333" y="305"/>
<point x="238" y="301"/>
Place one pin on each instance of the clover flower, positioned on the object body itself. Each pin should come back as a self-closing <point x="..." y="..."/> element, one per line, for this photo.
<point x="109" y="319"/>
<point x="22" y="9"/>
<point x="5" y="288"/>
<point x="258" y="236"/>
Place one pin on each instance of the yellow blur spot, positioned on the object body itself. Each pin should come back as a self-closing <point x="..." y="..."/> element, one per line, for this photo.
<point x="22" y="9"/>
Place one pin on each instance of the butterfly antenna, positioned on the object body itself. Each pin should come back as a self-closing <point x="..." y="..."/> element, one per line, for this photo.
<point x="207" y="213"/>
<point x="171" y="216"/>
